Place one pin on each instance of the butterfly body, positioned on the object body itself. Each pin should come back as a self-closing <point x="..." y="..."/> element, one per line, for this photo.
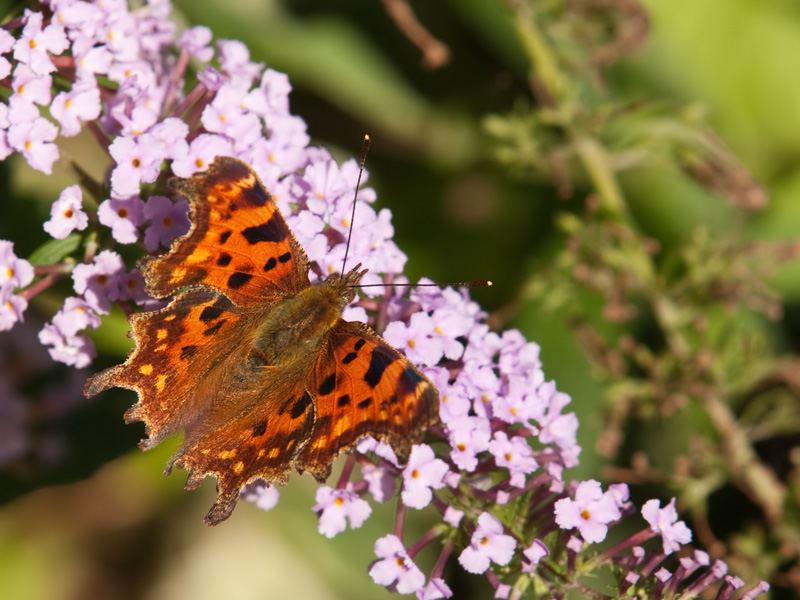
<point x="252" y="361"/>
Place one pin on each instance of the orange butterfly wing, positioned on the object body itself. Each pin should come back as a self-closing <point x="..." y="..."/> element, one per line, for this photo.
<point x="239" y="243"/>
<point x="176" y="349"/>
<point x="363" y="386"/>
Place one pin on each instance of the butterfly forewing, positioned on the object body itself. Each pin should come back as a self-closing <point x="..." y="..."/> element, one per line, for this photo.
<point x="239" y="243"/>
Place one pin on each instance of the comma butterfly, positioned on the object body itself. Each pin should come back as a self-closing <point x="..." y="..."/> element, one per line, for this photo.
<point x="250" y="359"/>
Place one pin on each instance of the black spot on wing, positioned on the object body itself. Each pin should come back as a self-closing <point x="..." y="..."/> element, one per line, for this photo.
<point x="254" y="196"/>
<point x="350" y="358"/>
<point x="381" y="358"/>
<point x="214" y="328"/>
<point x="360" y="344"/>
<point x="343" y="401"/>
<point x="224" y="237"/>
<point x="188" y="352"/>
<point x="211" y="313"/>
<point x="260" y="428"/>
<point x="224" y="259"/>
<point x="284" y="258"/>
<point x="327" y="386"/>
<point x="273" y="230"/>
<point x="270" y="264"/>
<point x="301" y="405"/>
<point x="364" y="403"/>
<point x="409" y="381"/>
<point x="237" y="280"/>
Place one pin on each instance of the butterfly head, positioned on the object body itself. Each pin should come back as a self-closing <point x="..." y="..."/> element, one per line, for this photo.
<point x="347" y="283"/>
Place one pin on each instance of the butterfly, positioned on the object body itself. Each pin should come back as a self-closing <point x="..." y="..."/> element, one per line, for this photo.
<point x="252" y="361"/>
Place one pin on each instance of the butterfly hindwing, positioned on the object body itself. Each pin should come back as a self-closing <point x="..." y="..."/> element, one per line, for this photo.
<point x="239" y="243"/>
<point x="362" y="386"/>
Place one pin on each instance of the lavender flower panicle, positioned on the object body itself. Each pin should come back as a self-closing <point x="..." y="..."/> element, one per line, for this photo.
<point x="494" y="469"/>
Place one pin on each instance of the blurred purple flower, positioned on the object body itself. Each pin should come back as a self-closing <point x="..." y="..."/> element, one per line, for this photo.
<point x="664" y="521"/>
<point x="589" y="513"/>
<point x="395" y="567"/>
<point x="66" y="214"/>
<point x="488" y="545"/>
<point x="423" y="473"/>
<point x="336" y="507"/>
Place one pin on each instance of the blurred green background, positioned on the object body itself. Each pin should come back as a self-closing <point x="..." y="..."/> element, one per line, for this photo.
<point x="104" y="522"/>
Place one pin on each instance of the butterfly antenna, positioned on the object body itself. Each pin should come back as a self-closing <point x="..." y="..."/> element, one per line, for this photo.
<point x="364" y="152"/>
<point x="473" y="283"/>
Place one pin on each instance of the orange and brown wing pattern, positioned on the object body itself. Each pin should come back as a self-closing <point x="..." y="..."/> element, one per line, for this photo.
<point x="177" y="350"/>
<point x="362" y="386"/>
<point x="258" y="444"/>
<point x="239" y="243"/>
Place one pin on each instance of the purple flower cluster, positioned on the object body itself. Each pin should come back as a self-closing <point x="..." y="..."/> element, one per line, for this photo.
<point x="494" y="467"/>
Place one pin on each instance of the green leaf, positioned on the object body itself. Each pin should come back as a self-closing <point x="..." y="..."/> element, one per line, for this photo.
<point x="53" y="251"/>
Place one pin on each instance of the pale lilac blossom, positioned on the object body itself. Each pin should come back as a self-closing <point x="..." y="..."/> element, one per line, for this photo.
<point x="590" y="512"/>
<point x="14" y="272"/>
<point x="66" y="214"/>
<point x="488" y="545"/>
<point x="123" y="216"/>
<point x="36" y="43"/>
<point x="423" y="473"/>
<point x="664" y="521"/>
<point x="338" y="506"/>
<point x="12" y="307"/>
<point x="435" y="589"/>
<point x="169" y="221"/>
<point x="264" y="496"/>
<point x="395" y="568"/>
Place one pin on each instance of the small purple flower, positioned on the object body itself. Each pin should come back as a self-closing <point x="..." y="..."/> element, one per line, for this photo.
<point x="336" y="507"/>
<point x="395" y="567"/>
<point x="381" y="481"/>
<point x="34" y="140"/>
<point x="468" y="437"/>
<point x="138" y="161"/>
<point x="14" y="272"/>
<point x="664" y="521"/>
<point x="196" y="42"/>
<point x="73" y="350"/>
<point x="503" y="590"/>
<point x="534" y="553"/>
<point x="202" y="152"/>
<point x="34" y="44"/>
<point x="11" y="308"/>
<point x="423" y="473"/>
<point x="381" y="449"/>
<point x="169" y="221"/>
<point x="589" y="513"/>
<point x="436" y="589"/>
<point x="264" y="496"/>
<point x="70" y="109"/>
<point x="488" y="545"/>
<point x="99" y="282"/>
<point x="123" y="216"/>
<point x="66" y="214"/>
<point x="556" y="427"/>
<point x="415" y="339"/>
<point x="30" y="88"/>
<point x="514" y="454"/>
<point x="452" y="516"/>
<point x="74" y="316"/>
